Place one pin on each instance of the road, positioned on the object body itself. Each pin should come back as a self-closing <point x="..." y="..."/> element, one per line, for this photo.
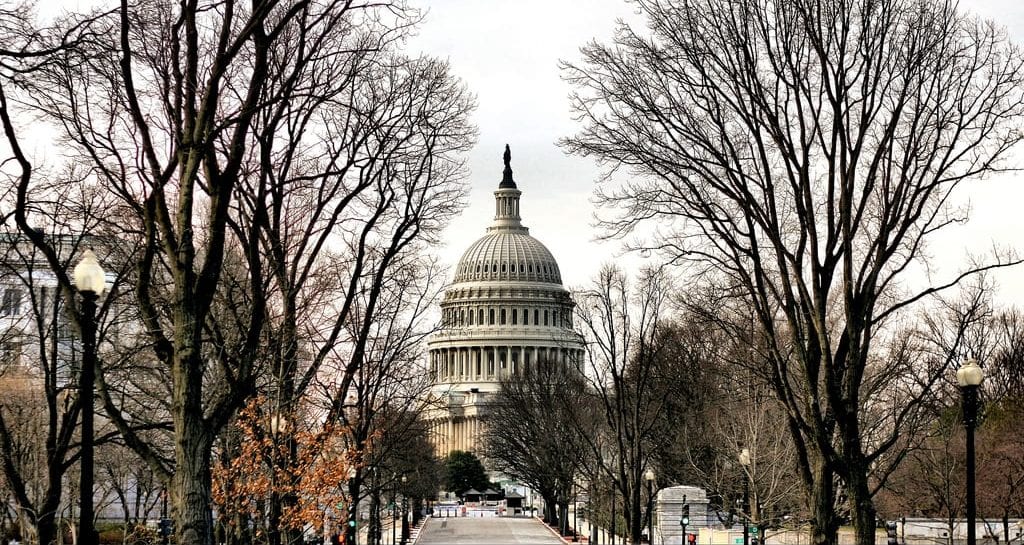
<point x="489" y="530"/>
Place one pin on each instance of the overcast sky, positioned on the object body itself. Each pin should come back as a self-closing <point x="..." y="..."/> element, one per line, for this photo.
<point x="508" y="53"/>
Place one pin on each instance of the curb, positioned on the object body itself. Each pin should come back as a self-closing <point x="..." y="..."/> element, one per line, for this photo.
<point x="414" y="532"/>
<point x="557" y="534"/>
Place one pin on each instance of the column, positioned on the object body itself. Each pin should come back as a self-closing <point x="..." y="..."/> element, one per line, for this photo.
<point x="449" y="435"/>
<point x="476" y="363"/>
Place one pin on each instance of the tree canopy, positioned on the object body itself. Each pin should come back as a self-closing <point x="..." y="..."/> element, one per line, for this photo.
<point x="463" y="471"/>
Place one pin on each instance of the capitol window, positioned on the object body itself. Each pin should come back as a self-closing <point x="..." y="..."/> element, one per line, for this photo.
<point x="11" y="303"/>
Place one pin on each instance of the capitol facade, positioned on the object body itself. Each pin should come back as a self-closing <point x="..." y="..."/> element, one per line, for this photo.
<point x="505" y="311"/>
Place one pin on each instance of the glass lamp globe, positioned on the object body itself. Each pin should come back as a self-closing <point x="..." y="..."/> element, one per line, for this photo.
<point x="970" y="374"/>
<point x="89" y="276"/>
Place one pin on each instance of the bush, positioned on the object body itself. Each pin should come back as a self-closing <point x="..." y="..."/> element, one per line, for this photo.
<point x="143" y="535"/>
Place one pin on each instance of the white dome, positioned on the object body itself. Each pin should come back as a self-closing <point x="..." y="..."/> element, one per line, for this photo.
<point x="508" y="256"/>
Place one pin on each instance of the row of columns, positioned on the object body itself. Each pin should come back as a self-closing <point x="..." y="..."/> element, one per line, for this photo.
<point x="488" y="363"/>
<point x="450" y="434"/>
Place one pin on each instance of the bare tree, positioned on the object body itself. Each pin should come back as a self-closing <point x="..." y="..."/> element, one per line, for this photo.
<point x="801" y="154"/>
<point x="356" y="176"/>
<point x="623" y="326"/>
<point x="530" y="434"/>
<point x="246" y="145"/>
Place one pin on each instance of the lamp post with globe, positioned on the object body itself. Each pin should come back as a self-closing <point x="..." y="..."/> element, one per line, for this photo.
<point x="969" y="376"/>
<point x="745" y="463"/>
<point x="89" y="280"/>
<point x="649" y="477"/>
<point x="405" y="510"/>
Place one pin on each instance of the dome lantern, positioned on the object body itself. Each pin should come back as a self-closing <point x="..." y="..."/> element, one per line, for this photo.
<point x="506" y="201"/>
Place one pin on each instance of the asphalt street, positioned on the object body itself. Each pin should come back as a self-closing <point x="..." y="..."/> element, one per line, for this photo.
<point x="486" y="531"/>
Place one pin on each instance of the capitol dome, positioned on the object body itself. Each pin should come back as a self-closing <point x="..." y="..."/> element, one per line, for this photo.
<point x="505" y="312"/>
<point x="510" y="256"/>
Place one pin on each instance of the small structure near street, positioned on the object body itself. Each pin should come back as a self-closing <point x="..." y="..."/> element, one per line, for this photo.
<point x="669" y="510"/>
<point x="491" y="496"/>
<point x="471" y="496"/>
<point x="514" y="502"/>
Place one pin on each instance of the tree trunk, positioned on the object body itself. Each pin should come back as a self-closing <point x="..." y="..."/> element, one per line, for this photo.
<point x="634" y="517"/>
<point x="191" y="483"/>
<point x="862" y="510"/>
<point x="373" y="533"/>
<point x="46" y="528"/>
<point x="274" y="515"/>
<point x="563" y="518"/>
<point x="824" y="525"/>
<point x="550" y="509"/>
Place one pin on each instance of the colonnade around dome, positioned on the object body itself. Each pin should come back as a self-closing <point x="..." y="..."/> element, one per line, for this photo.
<point x="492" y="363"/>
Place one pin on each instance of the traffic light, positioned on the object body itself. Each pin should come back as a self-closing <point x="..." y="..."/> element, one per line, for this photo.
<point x="684" y="520"/>
<point x="166" y="527"/>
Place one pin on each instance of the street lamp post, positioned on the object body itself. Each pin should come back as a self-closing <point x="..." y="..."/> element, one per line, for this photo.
<point x="612" y="540"/>
<point x="575" y="508"/>
<point x="394" y="507"/>
<point x="405" y="510"/>
<point x="89" y="280"/>
<point x="649" y="477"/>
<point x="278" y="423"/>
<point x="969" y="377"/>
<point x="745" y="463"/>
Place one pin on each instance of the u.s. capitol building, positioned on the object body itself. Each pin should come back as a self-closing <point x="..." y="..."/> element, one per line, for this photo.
<point x="505" y="311"/>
